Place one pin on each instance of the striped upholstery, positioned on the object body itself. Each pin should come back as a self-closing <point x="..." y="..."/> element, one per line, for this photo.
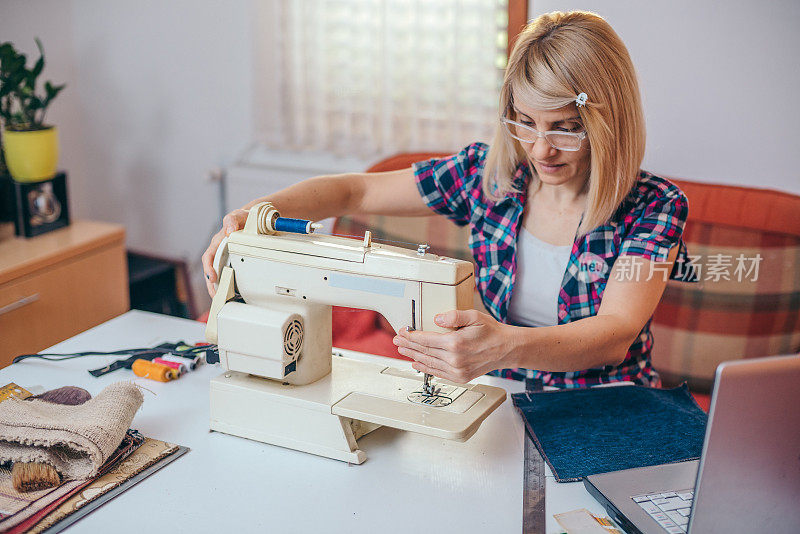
<point x="697" y="326"/>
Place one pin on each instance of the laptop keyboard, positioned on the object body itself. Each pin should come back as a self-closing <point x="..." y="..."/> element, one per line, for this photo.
<point x="670" y="509"/>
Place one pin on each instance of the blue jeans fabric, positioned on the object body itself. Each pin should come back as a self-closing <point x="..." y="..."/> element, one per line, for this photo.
<point x="580" y="432"/>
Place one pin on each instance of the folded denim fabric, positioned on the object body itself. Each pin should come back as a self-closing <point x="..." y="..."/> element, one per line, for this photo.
<point x="76" y="440"/>
<point x="581" y="432"/>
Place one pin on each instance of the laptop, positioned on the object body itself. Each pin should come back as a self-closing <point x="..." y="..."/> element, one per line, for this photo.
<point x="748" y="476"/>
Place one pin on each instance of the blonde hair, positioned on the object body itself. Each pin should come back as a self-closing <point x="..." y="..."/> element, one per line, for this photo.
<point x="555" y="58"/>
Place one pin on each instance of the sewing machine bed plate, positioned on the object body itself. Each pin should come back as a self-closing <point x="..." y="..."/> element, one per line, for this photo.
<point x="368" y="392"/>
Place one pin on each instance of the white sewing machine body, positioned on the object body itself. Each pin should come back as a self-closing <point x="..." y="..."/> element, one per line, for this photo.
<point x="282" y="384"/>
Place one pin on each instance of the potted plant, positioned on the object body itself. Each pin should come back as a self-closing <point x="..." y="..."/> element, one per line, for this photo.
<point x="30" y="145"/>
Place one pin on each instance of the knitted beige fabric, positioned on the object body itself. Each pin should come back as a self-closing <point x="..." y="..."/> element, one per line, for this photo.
<point x="76" y="440"/>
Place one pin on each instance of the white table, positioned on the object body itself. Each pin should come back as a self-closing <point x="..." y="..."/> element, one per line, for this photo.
<point x="409" y="483"/>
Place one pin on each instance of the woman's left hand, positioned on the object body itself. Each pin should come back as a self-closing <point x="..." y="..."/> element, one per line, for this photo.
<point x="478" y="344"/>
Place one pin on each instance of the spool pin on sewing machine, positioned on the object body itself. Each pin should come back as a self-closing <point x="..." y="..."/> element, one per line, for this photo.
<point x="271" y="320"/>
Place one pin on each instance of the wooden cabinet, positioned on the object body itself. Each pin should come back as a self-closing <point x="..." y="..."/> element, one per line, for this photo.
<point x="59" y="284"/>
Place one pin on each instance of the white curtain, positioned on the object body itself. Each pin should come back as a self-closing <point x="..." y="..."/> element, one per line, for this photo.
<point x="375" y="77"/>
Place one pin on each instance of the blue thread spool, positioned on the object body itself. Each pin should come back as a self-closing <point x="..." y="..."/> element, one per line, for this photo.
<point x="296" y="226"/>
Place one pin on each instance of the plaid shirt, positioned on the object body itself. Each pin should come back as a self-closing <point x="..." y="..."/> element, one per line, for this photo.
<point x="647" y="224"/>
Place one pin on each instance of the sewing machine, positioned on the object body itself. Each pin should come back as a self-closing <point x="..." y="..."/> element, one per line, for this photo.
<point x="271" y="320"/>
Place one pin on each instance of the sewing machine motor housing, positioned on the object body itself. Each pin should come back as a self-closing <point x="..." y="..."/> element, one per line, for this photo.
<point x="278" y="349"/>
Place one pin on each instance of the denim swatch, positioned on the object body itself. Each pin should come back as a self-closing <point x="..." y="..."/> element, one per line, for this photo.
<point x="581" y="432"/>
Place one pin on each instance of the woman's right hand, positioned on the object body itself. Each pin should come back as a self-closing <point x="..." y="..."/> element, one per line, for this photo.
<point x="230" y="223"/>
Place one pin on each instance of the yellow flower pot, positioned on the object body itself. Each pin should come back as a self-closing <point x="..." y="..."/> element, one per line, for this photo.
<point x="31" y="156"/>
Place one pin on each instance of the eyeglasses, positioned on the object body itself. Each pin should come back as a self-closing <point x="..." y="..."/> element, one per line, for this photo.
<point x="569" y="141"/>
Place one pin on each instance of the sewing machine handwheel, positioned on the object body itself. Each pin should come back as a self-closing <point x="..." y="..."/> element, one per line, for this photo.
<point x="220" y="258"/>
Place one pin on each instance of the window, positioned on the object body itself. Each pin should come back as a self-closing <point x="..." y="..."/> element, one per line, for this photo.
<point x="374" y="77"/>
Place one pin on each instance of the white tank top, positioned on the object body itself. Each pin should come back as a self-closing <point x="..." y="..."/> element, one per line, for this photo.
<point x="539" y="273"/>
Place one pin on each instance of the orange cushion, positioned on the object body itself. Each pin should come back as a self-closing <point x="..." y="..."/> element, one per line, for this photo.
<point x="703" y="400"/>
<point x="763" y="210"/>
<point x="404" y="161"/>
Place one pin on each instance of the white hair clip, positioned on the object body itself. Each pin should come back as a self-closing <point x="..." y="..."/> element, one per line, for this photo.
<point x="581" y="100"/>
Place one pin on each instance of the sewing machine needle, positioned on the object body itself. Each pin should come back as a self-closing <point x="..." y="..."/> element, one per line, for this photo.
<point x="427" y="387"/>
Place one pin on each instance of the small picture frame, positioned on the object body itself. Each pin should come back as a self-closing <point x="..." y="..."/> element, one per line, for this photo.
<point x="41" y="206"/>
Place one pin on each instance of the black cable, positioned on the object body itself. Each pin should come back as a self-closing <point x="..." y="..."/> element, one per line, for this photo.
<point x="181" y="348"/>
<point x="164" y="348"/>
<point x="70" y="356"/>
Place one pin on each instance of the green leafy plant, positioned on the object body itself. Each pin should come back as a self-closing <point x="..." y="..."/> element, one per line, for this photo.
<point x="21" y="107"/>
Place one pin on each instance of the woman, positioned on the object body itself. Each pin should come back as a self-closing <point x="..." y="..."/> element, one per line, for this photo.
<point x="568" y="234"/>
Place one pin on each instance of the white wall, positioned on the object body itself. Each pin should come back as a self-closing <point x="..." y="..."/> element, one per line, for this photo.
<point x="720" y="83"/>
<point x="160" y="92"/>
<point x="157" y="94"/>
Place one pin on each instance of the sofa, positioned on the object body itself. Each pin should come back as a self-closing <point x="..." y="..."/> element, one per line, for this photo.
<point x="732" y="313"/>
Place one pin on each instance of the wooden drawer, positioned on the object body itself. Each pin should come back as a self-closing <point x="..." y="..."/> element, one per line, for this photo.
<point x="61" y="300"/>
